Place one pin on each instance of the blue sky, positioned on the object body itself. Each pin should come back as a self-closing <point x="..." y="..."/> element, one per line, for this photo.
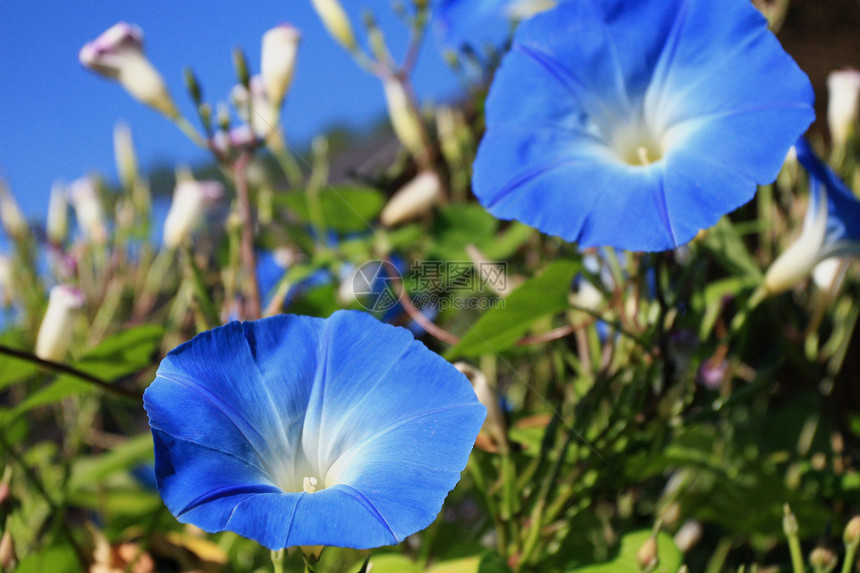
<point x="56" y="118"/>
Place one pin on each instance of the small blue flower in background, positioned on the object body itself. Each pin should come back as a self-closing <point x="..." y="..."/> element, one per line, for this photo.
<point x="295" y="430"/>
<point x="476" y="21"/>
<point x="831" y="227"/>
<point x="636" y="124"/>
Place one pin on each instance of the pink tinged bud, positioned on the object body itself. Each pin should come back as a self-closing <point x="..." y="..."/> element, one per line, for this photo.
<point x="118" y="54"/>
<point x="8" y="558"/>
<point x="843" y="90"/>
<point x="647" y="557"/>
<point x="55" y="333"/>
<point x="336" y="22"/>
<point x="851" y="535"/>
<point x="88" y="210"/>
<point x="57" y="226"/>
<point x="14" y="223"/>
<point x="264" y="116"/>
<point x="404" y="121"/>
<point x="190" y="199"/>
<point x="413" y="199"/>
<point x="278" y="61"/>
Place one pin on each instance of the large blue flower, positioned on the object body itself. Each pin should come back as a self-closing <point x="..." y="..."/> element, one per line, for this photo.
<point x="831" y="227"/>
<point x="303" y="431"/>
<point x="635" y="124"/>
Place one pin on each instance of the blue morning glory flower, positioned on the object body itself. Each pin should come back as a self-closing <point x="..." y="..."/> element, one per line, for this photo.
<point x="294" y="430"/>
<point x="636" y="124"/>
<point x="831" y="227"/>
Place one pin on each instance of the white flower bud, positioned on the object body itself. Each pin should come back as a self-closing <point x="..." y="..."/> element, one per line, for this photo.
<point x="336" y="22"/>
<point x="827" y="272"/>
<point x="7" y="283"/>
<point x="55" y="333"/>
<point x="406" y="124"/>
<point x="118" y="54"/>
<point x="264" y="116"/>
<point x="88" y="210"/>
<point x="688" y="535"/>
<point x="413" y="199"/>
<point x="843" y="90"/>
<point x="796" y="262"/>
<point x="494" y="424"/>
<point x="57" y="226"/>
<point x="126" y="158"/>
<point x="190" y="199"/>
<point x="525" y="9"/>
<point x="11" y="216"/>
<point x="278" y="61"/>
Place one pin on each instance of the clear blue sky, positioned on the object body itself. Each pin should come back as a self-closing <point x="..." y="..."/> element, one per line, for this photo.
<point x="56" y="118"/>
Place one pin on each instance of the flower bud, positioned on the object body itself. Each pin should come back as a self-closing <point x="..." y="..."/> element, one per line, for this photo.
<point x="525" y="9"/>
<point x="118" y="54"/>
<point x="55" y="333"/>
<point x="688" y="535"/>
<point x="190" y="199"/>
<point x="798" y="260"/>
<point x="822" y="559"/>
<point x="7" y="282"/>
<point x="336" y="22"/>
<point x="8" y="558"/>
<point x="88" y="210"/>
<point x="494" y="424"/>
<point x="413" y="199"/>
<point x="827" y="272"/>
<point x="843" y="90"/>
<point x="263" y="117"/>
<point x="851" y="535"/>
<point x="11" y="216"/>
<point x="124" y="155"/>
<point x="647" y="557"/>
<point x="278" y="61"/>
<point x="58" y="214"/>
<point x="404" y="121"/>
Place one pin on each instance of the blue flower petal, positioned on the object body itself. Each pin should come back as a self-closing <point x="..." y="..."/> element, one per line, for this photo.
<point x="635" y="124"/>
<point x="303" y="431"/>
<point x="843" y="208"/>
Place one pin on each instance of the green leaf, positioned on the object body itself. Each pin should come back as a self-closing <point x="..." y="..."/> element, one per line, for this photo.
<point x="12" y="369"/>
<point x="500" y="328"/>
<point x="462" y="565"/>
<point x="345" y="209"/>
<point x="725" y="242"/>
<point x="493" y="563"/>
<point x="394" y="563"/>
<point x="670" y="557"/>
<point x="91" y="470"/>
<point x="122" y="354"/>
<point x="57" y="559"/>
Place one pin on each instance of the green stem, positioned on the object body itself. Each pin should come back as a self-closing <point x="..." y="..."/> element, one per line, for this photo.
<point x="850" y="553"/>
<point x="188" y="129"/>
<point x="278" y="561"/>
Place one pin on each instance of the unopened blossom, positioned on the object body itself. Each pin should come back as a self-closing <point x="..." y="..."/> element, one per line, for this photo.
<point x="124" y="154"/>
<point x="57" y="226"/>
<point x="278" y="61"/>
<point x="413" y="199"/>
<point x="118" y="54"/>
<point x="190" y="199"/>
<point x="263" y="117"/>
<point x="843" y="92"/>
<point x="14" y="223"/>
<point x="404" y="119"/>
<point x="831" y="227"/>
<point x="88" y="210"/>
<point x="57" y="328"/>
<point x="336" y="22"/>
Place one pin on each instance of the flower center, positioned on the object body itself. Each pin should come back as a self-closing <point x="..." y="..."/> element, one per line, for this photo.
<point x="309" y="484"/>
<point x="637" y="145"/>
